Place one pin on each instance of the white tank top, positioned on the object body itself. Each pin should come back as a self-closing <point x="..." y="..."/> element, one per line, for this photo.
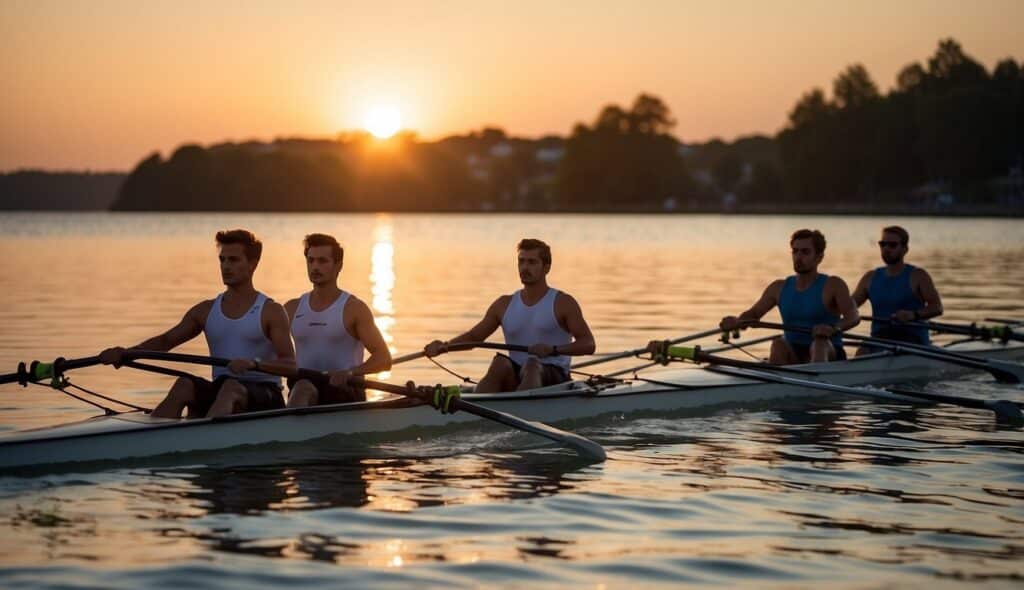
<point x="531" y="324"/>
<point x="321" y="340"/>
<point x="239" y="339"/>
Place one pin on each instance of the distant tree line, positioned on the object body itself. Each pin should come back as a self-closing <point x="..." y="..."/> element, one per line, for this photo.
<point x="68" y="191"/>
<point x="948" y="126"/>
<point x="948" y="129"/>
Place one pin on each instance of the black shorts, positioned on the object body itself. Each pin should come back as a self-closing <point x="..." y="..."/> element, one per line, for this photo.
<point x="803" y="352"/>
<point x="261" y="395"/>
<point x="549" y="374"/>
<point x="329" y="394"/>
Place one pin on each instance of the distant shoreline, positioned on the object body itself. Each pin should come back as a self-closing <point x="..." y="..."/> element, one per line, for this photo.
<point x="965" y="212"/>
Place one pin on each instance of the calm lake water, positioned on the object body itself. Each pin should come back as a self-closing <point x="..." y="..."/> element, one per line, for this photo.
<point x="847" y="493"/>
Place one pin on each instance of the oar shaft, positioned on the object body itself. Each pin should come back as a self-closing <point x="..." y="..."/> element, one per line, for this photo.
<point x="461" y="346"/>
<point x="637" y="351"/>
<point x="1004" y="411"/>
<point x="984" y="332"/>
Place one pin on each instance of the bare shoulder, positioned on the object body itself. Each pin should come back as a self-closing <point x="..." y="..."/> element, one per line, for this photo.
<point x="201" y="309"/>
<point x="835" y="286"/>
<point x="273" y="311"/>
<point x="566" y="301"/>
<point x="775" y="287"/>
<point x="920" y="273"/>
<point x="836" y="282"/>
<point x="291" y="305"/>
<point x="501" y="303"/>
<point x="357" y="307"/>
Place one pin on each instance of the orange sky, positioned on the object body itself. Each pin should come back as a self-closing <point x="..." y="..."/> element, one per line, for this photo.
<point x="99" y="84"/>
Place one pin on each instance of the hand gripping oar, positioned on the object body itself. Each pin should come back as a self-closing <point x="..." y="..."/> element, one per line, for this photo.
<point x="1003" y="333"/>
<point x="1005" y="411"/>
<point x="1003" y="371"/>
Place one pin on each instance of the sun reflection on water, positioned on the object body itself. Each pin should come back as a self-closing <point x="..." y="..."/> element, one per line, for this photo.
<point x="382" y="281"/>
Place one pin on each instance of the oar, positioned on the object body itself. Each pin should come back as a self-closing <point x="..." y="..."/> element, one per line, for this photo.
<point x="638" y="351"/>
<point x="1003" y="333"/>
<point x="461" y="346"/>
<point x="1006" y="321"/>
<point x="581" y="445"/>
<point x="449" y="397"/>
<point x="1005" y="411"/>
<point x="1003" y="371"/>
<point x="37" y="371"/>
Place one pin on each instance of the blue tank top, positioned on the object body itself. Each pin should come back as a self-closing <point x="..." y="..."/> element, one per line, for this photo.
<point x="889" y="295"/>
<point x="805" y="309"/>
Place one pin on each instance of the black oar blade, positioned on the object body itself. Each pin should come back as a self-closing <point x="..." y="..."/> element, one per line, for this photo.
<point x="1005" y="372"/>
<point x="582" y="445"/>
<point x="1006" y="412"/>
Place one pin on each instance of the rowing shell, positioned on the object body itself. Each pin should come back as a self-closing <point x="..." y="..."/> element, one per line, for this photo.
<point x="136" y="435"/>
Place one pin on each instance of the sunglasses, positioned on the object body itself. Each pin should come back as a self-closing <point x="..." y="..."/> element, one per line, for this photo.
<point x="890" y="244"/>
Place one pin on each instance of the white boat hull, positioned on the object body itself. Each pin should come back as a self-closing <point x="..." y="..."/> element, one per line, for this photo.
<point x="137" y="435"/>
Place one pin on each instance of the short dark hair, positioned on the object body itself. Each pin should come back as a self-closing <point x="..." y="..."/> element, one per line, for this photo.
<point x="253" y="247"/>
<point x="816" y="237"/>
<point x="534" y="244"/>
<point x="899" y="231"/>
<point x="313" y="240"/>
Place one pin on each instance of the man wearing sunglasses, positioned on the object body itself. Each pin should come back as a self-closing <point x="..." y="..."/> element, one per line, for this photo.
<point x="901" y="294"/>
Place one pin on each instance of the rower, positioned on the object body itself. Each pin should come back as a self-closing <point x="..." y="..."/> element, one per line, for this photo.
<point x="899" y="292"/>
<point x="241" y="324"/>
<point x="807" y="299"/>
<point x="548" y="321"/>
<point x="331" y="328"/>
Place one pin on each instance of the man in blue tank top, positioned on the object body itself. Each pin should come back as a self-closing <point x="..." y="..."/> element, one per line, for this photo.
<point x="331" y="328"/>
<point x="899" y="293"/>
<point x="242" y="324"/>
<point x="548" y="321"/>
<point x="809" y="300"/>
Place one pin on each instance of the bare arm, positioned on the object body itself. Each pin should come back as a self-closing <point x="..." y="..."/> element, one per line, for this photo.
<point x="190" y="326"/>
<point x="478" y="333"/>
<point x="929" y="294"/>
<point x="844" y="304"/>
<point x="569" y="314"/>
<point x="860" y="294"/>
<point x="769" y="299"/>
<point x="290" y="308"/>
<point x="366" y="331"/>
<point x="276" y="327"/>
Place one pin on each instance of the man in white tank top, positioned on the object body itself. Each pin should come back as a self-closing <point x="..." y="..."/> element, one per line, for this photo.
<point x="548" y="321"/>
<point x="240" y="323"/>
<point x="331" y="329"/>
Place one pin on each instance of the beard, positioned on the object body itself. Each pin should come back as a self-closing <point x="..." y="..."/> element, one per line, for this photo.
<point x="890" y="258"/>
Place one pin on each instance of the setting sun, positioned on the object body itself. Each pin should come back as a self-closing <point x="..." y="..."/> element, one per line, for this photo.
<point x="383" y="121"/>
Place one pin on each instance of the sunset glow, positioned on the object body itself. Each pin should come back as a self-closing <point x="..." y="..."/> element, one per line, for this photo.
<point x="383" y="121"/>
<point x="101" y="85"/>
